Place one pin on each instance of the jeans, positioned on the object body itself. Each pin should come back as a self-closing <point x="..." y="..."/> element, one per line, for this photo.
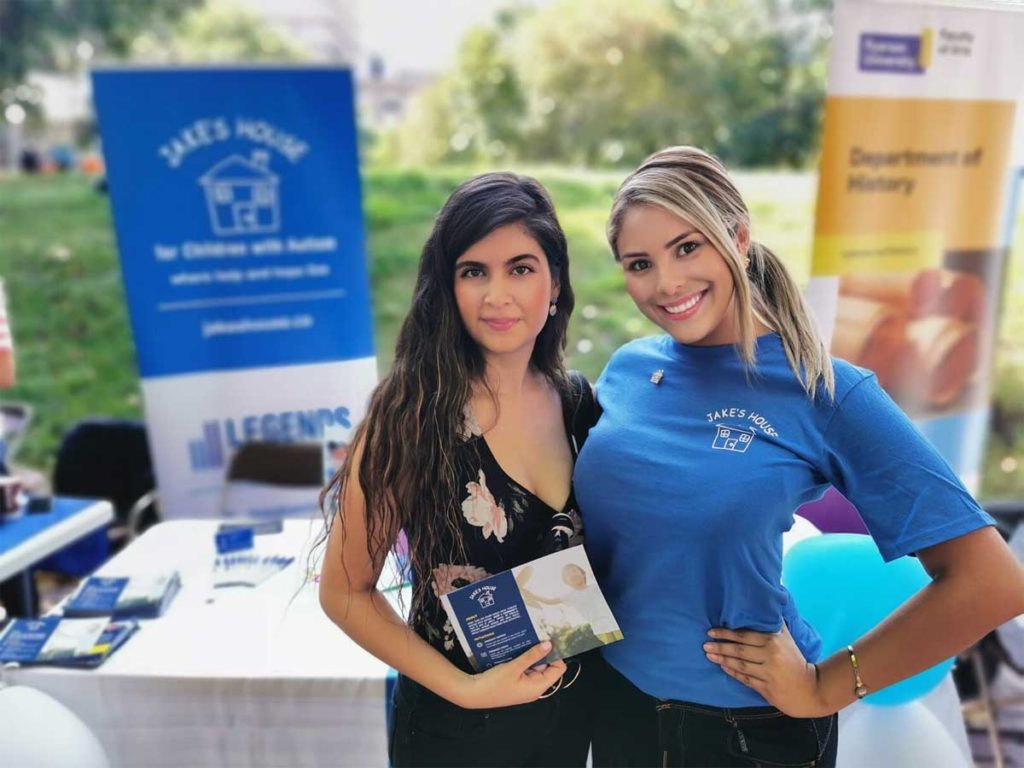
<point x="428" y="730"/>
<point x="634" y="729"/>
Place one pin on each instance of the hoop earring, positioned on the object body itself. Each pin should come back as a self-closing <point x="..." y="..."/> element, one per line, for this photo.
<point x="553" y="309"/>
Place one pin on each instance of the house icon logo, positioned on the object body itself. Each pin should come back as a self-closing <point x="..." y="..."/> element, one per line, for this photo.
<point x="242" y="196"/>
<point x="486" y="600"/>
<point x="732" y="438"/>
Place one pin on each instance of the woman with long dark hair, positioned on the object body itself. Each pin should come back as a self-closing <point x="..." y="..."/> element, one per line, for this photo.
<point x="712" y="434"/>
<point x="467" y="447"/>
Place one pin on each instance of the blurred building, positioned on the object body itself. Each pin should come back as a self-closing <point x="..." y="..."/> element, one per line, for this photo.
<point x="327" y="29"/>
<point x="384" y="97"/>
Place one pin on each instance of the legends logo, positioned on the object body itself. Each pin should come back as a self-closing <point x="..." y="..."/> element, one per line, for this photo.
<point x="209" y="451"/>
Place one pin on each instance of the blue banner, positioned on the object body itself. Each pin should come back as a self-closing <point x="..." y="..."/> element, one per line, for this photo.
<point x="237" y="207"/>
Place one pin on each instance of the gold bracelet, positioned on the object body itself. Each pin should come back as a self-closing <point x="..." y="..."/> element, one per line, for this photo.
<point x="859" y="688"/>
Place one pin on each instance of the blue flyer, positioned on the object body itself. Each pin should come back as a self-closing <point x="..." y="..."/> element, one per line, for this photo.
<point x="554" y="598"/>
<point x="141" y="596"/>
<point x="100" y="594"/>
<point x="63" y="642"/>
<point x="234" y="540"/>
<point x="492" y="620"/>
<point x="24" y="640"/>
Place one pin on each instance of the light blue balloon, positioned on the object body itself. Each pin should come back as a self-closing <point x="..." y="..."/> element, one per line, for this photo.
<point x="844" y="589"/>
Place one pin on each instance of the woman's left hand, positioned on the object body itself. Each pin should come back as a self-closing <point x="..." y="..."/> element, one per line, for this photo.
<point x="772" y="665"/>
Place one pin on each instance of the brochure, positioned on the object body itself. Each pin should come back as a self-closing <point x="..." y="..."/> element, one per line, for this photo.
<point x="63" y="642"/>
<point x="247" y="570"/>
<point x="141" y="597"/>
<point x="554" y="598"/>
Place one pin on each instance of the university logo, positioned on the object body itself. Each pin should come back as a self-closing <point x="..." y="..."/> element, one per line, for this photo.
<point x="732" y="439"/>
<point x="895" y="54"/>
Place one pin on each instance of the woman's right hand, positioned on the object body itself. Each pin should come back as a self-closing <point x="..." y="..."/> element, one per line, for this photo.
<point x="513" y="682"/>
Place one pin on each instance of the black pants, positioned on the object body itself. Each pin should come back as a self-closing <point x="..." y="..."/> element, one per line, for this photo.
<point x="633" y="729"/>
<point x="427" y="730"/>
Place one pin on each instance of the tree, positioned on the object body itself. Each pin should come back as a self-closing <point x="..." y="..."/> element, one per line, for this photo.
<point x="593" y="78"/>
<point x="429" y="132"/>
<point x="216" y="33"/>
<point x="488" y="85"/>
<point x="762" y="77"/>
<point x="41" y="34"/>
<point x="602" y="82"/>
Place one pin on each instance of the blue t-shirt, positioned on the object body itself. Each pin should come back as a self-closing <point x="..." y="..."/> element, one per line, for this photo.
<point x="686" y="487"/>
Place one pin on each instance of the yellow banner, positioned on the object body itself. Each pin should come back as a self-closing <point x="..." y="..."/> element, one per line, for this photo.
<point x="895" y="166"/>
<point x="880" y="252"/>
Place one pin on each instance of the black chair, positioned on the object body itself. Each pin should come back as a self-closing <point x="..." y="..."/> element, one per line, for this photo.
<point x="293" y="469"/>
<point x="105" y="459"/>
<point x="295" y="464"/>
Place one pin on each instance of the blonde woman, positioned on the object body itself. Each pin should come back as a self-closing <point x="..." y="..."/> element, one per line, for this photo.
<point x="712" y="435"/>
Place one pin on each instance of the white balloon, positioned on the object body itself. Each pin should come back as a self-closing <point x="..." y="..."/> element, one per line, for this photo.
<point x="907" y="735"/>
<point x="802" y="529"/>
<point x="37" y="731"/>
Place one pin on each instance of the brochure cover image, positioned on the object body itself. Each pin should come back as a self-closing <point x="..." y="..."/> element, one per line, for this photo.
<point x="555" y="597"/>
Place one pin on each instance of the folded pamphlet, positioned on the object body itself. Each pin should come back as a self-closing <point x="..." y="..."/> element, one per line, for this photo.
<point x="554" y="598"/>
<point x="64" y="642"/>
<point x="139" y="597"/>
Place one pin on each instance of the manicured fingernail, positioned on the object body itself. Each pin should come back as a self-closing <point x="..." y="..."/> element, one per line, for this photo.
<point x="713" y="632"/>
<point x="714" y="657"/>
<point x="709" y="646"/>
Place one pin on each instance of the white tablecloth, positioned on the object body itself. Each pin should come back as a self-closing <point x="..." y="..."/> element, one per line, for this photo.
<point x="257" y="678"/>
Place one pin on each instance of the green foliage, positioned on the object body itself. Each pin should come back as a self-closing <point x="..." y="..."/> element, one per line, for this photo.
<point x="40" y="34"/>
<point x="216" y="33"/>
<point x="600" y="82"/>
<point x="74" y="347"/>
<point x="568" y="641"/>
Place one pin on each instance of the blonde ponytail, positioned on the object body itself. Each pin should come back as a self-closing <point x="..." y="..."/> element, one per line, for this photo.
<point x="780" y="304"/>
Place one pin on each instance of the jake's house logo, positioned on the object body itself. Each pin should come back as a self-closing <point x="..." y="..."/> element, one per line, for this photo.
<point x="895" y="54"/>
<point x="484" y="596"/>
<point x="220" y="436"/>
<point x="732" y="438"/>
<point x="242" y="195"/>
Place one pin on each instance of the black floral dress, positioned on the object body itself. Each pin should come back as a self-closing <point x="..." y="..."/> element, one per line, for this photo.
<point x="503" y="525"/>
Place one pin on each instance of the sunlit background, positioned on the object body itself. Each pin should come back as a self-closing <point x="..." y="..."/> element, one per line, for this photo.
<point x="575" y="92"/>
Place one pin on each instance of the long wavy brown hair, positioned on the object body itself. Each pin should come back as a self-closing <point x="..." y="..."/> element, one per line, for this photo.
<point x="415" y="419"/>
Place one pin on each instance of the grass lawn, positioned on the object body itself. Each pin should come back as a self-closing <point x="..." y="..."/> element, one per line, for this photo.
<point x="75" y="353"/>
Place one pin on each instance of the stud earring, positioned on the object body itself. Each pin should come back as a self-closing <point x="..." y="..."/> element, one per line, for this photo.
<point x="552" y="310"/>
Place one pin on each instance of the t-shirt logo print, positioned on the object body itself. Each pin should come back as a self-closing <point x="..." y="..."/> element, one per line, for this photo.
<point x="732" y="438"/>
